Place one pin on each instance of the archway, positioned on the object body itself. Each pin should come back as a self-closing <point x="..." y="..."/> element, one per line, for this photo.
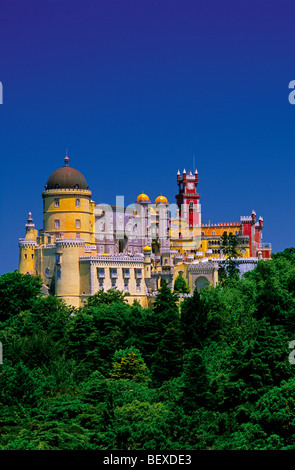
<point x="201" y="282"/>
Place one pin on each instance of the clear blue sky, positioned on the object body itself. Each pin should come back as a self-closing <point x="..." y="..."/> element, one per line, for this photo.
<point x="134" y="89"/>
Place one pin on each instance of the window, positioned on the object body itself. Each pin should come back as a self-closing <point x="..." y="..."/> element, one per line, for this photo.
<point x="47" y="272"/>
<point x="32" y="256"/>
<point x="56" y="202"/>
<point x="78" y="204"/>
<point x="113" y="282"/>
<point x="101" y="273"/>
<point x="126" y="273"/>
<point x="126" y="285"/>
<point x="114" y="274"/>
<point x="58" y="258"/>
<point x="58" y="274"/>
<point x="100" y="282"/>
<point x="56" y="224"/>
<point x="213" y="233"/>
<point x="138" y="273"/>
<point x="77" y="235"/>
<point x="25" y="255"/>
<point x="138" y="285"/>
<point x="78" y="223"/>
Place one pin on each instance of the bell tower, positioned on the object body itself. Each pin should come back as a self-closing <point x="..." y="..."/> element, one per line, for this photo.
<point x="188" y="198"/>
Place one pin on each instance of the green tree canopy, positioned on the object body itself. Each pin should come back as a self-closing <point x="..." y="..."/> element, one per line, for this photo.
<point x="17" y="292"/>
<point x="180" y="285"/>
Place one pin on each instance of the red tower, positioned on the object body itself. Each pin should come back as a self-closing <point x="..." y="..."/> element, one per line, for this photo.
<point x="188" y="199"/>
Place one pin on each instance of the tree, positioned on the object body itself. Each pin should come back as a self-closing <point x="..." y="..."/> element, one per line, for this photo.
<point x="228" y="246"/>
<point x="195" y="382"/>
<point x="17" y="293"/>
<point x="167" y="356"/>
<point x="129" y="365"/>
<point x="180" y="285"/>
<point x="109" y="297"/>
<point x="194" y="321"/>
<point x="165" y="306"/>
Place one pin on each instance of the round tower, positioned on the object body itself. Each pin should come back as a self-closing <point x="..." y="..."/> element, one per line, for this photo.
<point x="67" y="208"/>
<point x="143" y="205"/>
<point x="67" y="276"/>
<point x="27" y="247"/>
<point x="162" y="211"/>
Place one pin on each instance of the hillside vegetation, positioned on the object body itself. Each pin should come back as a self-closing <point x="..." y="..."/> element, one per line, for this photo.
<point x="212" y="373"/>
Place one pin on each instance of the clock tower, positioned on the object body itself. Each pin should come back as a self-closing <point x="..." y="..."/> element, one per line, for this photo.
<point x="188" y="199"/>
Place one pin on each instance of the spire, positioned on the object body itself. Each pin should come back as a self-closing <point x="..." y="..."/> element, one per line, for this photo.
<point x="30" y="220"/>
<point x="196" y="171"/>
<point x="184" y="171"/>
<point x="178" y="172"/>
<point x="66" y="158"/>
<point x="29" y="223"/>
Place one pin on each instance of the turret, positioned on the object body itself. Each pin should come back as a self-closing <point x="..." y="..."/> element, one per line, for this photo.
<point x="147" y="261"/>
<point x="27" y="247"/>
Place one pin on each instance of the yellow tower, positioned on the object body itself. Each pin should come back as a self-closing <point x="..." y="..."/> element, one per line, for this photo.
<point x="147" y="261"/>
<point x="67" y="271"/>
<point x="27" y="247"/>
<point x="67" y="205"/>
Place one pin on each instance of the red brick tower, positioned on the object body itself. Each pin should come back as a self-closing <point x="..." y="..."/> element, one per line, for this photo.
<point x="188" y="199"/>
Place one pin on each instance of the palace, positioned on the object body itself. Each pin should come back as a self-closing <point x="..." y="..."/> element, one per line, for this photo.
<point x="84" y="246"/>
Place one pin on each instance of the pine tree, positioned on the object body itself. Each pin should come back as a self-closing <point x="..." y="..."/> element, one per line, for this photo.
<point x="194" y="321"/>
<point x="180" y="285"/>
<point x="195" y="382"/>
<point x="166" y="360"/>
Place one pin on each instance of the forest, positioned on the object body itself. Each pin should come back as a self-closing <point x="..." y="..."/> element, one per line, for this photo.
<point x="212" y="372"/>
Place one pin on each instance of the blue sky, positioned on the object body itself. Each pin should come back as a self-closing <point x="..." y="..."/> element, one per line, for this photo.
<point x="135" y="89"/>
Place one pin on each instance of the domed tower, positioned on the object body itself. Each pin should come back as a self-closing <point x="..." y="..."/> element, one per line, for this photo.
<point x="143" y="205"/>
<point x="162" y="210"/>
<point x="68" y="222"/>
<point x="67" y="205"/>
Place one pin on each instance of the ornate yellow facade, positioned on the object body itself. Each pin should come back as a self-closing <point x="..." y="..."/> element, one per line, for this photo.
<point x="84" y="247"/>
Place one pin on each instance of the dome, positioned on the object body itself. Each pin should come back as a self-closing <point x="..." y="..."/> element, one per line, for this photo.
<point x="146" y="249"/>
<point x="143" y="198"/>
<point x="66" y="177"/>
<point x="161" y="199"/>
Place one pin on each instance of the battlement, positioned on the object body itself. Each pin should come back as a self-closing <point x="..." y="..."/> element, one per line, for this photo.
<point x="69" y="242"/>
<point x="112" y="259"/>
<point x="24" y="242"/>
<point x="66" y="191"/>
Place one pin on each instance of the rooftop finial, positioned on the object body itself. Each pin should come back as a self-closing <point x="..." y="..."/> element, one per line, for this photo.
<point x="66" y="158"/>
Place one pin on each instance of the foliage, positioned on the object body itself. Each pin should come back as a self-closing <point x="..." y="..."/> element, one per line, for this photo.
<point x="180" y="285"/>
<point x="228" y="246"/>
<point x="129" y="365"/>
<point x="106" y="298"/>
<point x="211" y="372"/>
